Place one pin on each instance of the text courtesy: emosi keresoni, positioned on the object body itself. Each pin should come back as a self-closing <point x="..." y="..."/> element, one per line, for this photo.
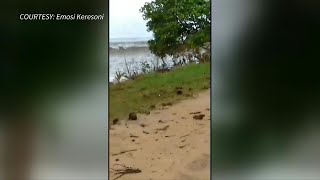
<point x="60" y="17"/>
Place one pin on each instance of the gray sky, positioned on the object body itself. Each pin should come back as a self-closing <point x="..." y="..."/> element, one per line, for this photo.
<point x="126" y="20"/>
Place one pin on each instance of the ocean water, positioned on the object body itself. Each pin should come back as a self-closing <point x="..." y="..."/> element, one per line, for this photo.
<point x="133" y="50"/>
<point x="131" y="53"/>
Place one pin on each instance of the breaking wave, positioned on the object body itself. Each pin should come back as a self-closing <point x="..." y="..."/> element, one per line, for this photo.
<point x="128" y="43"/>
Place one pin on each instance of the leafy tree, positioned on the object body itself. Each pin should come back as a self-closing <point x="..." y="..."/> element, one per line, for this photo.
<point x="177" y="25"/>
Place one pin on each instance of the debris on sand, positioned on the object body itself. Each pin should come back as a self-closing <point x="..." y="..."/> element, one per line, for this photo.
<point x="142" y="125"/>
<point x="122" y="152"/>
<point x="185" y="135"/>
<point x="198" y="112"/>
<point x="115" y="121"/>
<point x="169" y="136"/>
<point x="145" y="132"/>
<point x="160" y="121"/>
<point x="125" y="170"/>
<point x="198" y="116"/>
<point x="133" y="136"/>
<point x="179" y="92"/>
<point x="133" y="116"/>
<point x="183" y="146"/>
<point x="163" y="129"/>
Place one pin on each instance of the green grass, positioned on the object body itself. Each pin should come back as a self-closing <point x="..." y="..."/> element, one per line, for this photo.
<point x="142" y="94"/>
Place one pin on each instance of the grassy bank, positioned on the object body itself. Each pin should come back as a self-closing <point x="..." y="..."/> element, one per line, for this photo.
<point x="153" y="90"/>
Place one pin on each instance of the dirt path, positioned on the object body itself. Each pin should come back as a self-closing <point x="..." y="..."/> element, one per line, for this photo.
<point x="166" y="144"/>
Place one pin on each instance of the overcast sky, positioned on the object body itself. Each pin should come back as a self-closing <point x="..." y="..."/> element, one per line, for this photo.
<point x="126" y="20"/>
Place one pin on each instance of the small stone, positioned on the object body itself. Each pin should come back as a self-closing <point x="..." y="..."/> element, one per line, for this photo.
<point x="117" y="159"/>
<point x="179" y="92"/>
<point x="115" y="121"/>
<point x="133" y="116"/>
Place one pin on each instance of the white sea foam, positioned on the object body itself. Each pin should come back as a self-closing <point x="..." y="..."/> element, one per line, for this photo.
<point x="133" y="50"/>
<point x="125" y="43"/>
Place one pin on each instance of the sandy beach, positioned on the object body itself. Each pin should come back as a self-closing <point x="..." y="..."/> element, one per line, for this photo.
<point x="169" y="143"/>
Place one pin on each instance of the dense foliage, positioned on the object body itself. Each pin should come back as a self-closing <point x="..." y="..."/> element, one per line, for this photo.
<point x="177" y="25"/>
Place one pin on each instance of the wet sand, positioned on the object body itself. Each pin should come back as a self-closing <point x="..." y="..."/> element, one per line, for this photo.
<point x="169" y="143"/>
